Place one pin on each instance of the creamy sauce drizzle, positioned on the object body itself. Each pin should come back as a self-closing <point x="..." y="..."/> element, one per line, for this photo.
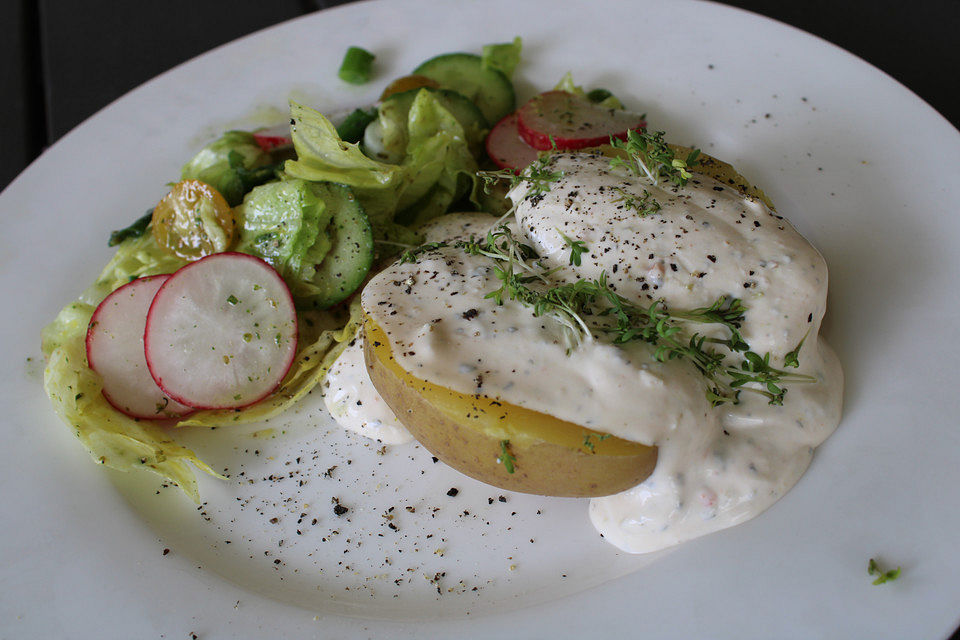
<point x="716" y="466"/>
<point x="354" y="402"/>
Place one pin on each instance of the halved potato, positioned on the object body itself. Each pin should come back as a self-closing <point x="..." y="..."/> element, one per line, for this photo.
<point x="501" y="444"/>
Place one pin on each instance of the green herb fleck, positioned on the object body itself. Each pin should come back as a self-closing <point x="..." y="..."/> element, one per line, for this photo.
<point x="232" y="299"/>
<point x="873" y="569"/>
<point x="588" y="441"/>
<point x="792" y="358"/>
<point x="645" y="205"/>
<point x="537" y="175"/>
<point x="506" y="458"/>
<point x="412" y="255"/>
<point x="357" y="66"/>
<point x="577" y="247"/>
<point x="135" y="230"/>
<point x="598" y="95"/>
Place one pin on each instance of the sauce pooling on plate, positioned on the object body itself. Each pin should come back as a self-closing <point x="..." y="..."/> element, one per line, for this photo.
<point x="355" y="404"/>
<point x="717" y="465"/>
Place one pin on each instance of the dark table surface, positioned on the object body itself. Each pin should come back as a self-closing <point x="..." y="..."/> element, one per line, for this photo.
<point x="52" y="48"/>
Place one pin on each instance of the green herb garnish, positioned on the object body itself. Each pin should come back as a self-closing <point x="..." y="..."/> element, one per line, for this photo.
<point x="873" y="569"/>
<point x="232" y="299"/>
<point x="588" y="441"/>
<point x="250" y="178"/>
<point x="524" y="279"/>
<point x="506" y="458"/>
<point x="792" y="359"/>
<point x="537" y="175"/>
<point x="598" y="95"/>
<point x="411" y="255"/>
<point x="577" y="247"/>
<point x="651" y="156"/>
<point x="135" y="230"/>
<point x="645" y="205"/>
<point x="357" y="66"/>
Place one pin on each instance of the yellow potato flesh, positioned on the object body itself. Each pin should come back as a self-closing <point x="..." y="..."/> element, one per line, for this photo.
<point x="474" y="434"/>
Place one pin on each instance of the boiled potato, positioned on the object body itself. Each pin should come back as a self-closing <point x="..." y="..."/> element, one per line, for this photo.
<point x="501" y="444"/>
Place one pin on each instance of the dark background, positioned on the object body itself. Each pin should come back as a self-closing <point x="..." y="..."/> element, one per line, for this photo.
<point x="52" y="48"/>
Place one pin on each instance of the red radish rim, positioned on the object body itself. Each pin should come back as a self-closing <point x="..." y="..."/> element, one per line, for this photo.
<point x="93" y="318"/>
<point x="286" y="367"/>
<point x="88" y="338"/>
<point x="495" y="158"/>
<point x="544" y="141"/>
<point x="273" y="137"/>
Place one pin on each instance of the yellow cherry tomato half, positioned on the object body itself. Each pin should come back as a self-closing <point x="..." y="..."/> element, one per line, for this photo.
<point x="193" y="221"/>
<point x="406" y="83"/>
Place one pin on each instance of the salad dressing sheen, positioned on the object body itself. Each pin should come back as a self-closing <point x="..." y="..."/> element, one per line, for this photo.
<point x="716" y="466"/>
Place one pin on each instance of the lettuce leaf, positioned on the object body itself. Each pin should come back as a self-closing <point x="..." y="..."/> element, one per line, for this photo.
<point x="566" y="84"/>
<point x="285" y="224"/>
<point x="225" y="164"/>
<point x="437" y="167"/>
<point x="135" y="258"/>
<point x="437" y="156"/>
<point x="503" y="57"/>
<point x="323" y="156"/>
<point x="111" y="438"/>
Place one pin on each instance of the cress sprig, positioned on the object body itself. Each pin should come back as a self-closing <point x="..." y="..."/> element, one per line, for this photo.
<point x="411" y="255"/>
<point x="651" y="156"/>
<point x="518" y="267"/>
<point x="537" y="174"/>
<point x="506" y="458"/>
<point x="882" y="576"/>
<point x="645" y="205"/>
<point x="577" y="248"/>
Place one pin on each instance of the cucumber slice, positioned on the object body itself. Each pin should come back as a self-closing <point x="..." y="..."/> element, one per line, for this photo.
<point x="464" y="73"/>
<point x="351" y="254"/>
<point x="474" y="123"/>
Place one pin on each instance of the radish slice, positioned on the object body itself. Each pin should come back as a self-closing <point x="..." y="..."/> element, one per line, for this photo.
<point x="273" y="137"/>
<point x="506" y="148"/>
<point x="221" y="332"/>
<point x="115" y="351"/>
<point x="572" y="121"/>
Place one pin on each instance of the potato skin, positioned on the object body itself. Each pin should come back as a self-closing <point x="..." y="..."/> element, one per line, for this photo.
<point x="541" y="467"/>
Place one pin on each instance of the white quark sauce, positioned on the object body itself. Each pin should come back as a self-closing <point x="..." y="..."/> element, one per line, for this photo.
<point x="350" y="396"/>
<point x="716" y="467"/>
<point x="354" y="402"/>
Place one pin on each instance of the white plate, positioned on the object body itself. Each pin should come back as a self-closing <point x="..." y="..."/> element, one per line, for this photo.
<point x="860" y="165"/>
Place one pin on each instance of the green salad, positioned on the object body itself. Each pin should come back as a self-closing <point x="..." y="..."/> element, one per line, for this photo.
<point x="322" y="204"/>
